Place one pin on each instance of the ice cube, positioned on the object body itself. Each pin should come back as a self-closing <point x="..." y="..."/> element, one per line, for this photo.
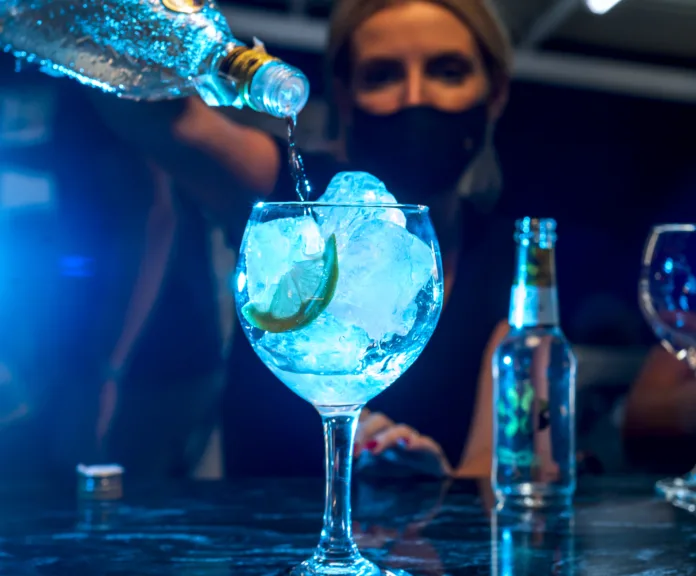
<point x="325" y="346"/>
<point x="382" y="267"/>
<point x="273" y="248"/>
<point x="355" y="187"/>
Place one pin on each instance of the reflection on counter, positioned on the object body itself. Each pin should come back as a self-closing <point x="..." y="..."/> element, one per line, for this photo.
<point x="532" y="542"/>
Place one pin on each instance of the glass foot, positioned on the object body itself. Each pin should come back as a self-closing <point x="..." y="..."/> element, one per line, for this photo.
<point x="681" y="491"/>
<point x="685" y="501"/>
<point x="682" y="487"/>
<point x="358" y="567"/>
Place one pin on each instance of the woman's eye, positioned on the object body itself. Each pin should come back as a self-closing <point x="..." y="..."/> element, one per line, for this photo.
<point x="377" y="74"/>
<point x="453" y="69"/>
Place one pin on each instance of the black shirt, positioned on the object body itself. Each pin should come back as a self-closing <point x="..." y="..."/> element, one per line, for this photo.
<point x="270" y="430"/>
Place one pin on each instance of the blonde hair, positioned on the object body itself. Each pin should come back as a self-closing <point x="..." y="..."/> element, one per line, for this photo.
<point x="493" y="40"/>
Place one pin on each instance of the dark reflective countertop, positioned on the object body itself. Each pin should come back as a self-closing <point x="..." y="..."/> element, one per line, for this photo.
<point x="257" y="528"/>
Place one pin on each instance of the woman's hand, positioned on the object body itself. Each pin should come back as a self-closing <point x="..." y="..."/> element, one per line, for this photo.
<point x="380" y="440"/>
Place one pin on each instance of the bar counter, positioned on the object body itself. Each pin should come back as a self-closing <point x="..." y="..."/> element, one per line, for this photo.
<point x="263" y="527"/>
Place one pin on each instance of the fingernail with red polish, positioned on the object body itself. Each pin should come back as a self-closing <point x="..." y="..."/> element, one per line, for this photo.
<point x="404" y="442"/>
<point x="357" y="449"/>
<point x="371" y="445"/>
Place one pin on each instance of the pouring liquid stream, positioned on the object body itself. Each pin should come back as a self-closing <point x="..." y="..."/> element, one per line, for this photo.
<point x="303" y="187"/>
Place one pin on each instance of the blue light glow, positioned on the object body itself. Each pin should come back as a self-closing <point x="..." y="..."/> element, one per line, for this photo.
<point x="76" y="266"/>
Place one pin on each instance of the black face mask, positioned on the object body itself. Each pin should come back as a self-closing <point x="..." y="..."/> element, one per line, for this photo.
<point x="418" y="152"/>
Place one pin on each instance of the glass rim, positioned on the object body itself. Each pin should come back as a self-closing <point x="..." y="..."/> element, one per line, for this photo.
<point x="684" y="227"/>
<point x="655" y="232"/>
<point x="369" y="205"/>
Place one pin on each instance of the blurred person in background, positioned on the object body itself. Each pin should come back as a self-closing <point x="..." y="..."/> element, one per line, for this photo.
<point x="418" y="87"/>
<point x="110" y="346"/>
<point x="660" y="414"/>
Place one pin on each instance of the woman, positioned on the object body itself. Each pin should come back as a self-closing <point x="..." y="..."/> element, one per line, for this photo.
<point x="418" y="87"/>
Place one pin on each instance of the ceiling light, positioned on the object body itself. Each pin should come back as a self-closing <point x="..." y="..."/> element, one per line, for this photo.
<point x="601" y="6"/>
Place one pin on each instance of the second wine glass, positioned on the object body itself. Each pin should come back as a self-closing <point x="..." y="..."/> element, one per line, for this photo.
<point x="667" y="297"/>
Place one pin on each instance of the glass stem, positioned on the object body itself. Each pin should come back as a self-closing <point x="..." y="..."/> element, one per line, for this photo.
<point x="336" y="543"/>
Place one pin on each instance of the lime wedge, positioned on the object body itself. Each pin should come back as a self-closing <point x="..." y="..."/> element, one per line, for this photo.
<point x="301" y="295"/>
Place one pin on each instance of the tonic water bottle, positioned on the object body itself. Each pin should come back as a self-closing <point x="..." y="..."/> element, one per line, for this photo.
<point x="534" y="383"/>
<point x="151" y="50"/>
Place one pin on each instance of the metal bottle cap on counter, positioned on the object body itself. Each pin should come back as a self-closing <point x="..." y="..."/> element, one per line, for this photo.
<point x="100" y="482"/>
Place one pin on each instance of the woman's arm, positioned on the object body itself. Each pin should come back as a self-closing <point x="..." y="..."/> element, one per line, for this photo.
<point x="222" y="165"/>
<point x="478" y="455"/>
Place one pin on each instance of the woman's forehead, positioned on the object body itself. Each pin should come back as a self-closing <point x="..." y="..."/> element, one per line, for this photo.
<point x="413" y="28"/>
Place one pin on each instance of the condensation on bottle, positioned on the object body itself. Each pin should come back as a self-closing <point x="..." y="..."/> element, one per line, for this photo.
<point x="146" y="50"/>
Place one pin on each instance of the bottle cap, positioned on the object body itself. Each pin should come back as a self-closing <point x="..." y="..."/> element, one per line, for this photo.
<point x="539" y="230"/>
<point x="100" y="482"/>
<point x="279" y="89"/>
<point x="262" y="82"/>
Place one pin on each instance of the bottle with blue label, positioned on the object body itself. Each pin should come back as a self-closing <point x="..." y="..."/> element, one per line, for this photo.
<point x="151" y="50"/>
<point x="534" y="383"/>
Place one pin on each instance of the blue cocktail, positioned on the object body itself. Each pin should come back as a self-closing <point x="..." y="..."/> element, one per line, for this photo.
<point x="338" y="299"/>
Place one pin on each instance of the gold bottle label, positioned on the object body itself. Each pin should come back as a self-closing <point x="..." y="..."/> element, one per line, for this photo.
<point x="536" y="267"/>
<point x="184" y="6"/>
<point x="241" y="64"/>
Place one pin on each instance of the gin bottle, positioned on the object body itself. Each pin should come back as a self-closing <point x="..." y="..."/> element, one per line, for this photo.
<point x="534" y="383"/>
<point x="151" y="50"/>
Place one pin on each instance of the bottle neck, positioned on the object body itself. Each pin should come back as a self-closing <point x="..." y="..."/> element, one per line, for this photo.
<point x="240" y="65"/>
<point x="534" y="298"/>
